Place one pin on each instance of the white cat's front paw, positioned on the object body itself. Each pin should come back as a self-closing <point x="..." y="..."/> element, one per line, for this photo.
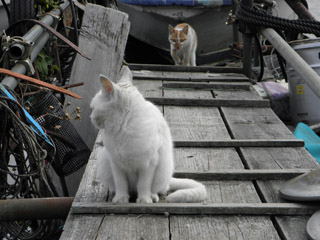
<point x="144" y="200"/>
<point x="155" y="197"/>
<point x="120" y="199"/>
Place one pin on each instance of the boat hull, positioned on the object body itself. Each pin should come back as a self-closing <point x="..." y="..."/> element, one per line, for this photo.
<point x="151" y="27"/>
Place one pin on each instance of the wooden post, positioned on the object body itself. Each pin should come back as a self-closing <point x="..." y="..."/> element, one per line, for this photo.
<point x="103" y="38"/>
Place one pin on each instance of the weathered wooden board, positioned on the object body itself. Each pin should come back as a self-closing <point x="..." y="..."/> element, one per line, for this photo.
<point x="231" y="192"/>
<point x="103" y="38"/>
<point x="246" y="174"/>
<point x="147" y="227"/>
<point x="262" y="123"/>
<point x="173" y="68"/>
<point x="244" y="103"/>
<point x="189" y="77"/>
<point x="222" y="228"/>
<point x="195" y="123"/>
<point x="84" y="226"/>
<point x="255" y="123"/>
<point x="207" y="86"/>
<point x="149" y="88"/>
<point x="189" y="94"/>
<point x="236" y="94"/>
<point x="206" y="159"/>
<point x="250" y="208"/>
<point x="292" y="227"/>
<point x="275" y="158"/>
<point x="242" y="143"/>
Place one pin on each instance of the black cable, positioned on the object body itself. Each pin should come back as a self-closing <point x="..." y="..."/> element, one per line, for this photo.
<point x="261" y="58"/>
<point x="75" y="24"/>
<point x="281" y="64"/>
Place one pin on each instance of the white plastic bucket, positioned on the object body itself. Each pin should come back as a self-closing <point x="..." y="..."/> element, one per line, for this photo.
<point x="304" y="103"/>
<point x="308" y="49"/>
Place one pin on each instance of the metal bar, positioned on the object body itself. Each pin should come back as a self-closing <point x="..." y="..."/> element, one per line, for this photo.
<point x="35" y="34"/>
<point x="242" y="143"/>
<point x="287" y="209"/>
<point x="293" y="59"/>
<point x="36" y="31"/>
<point x="35" y="208"/>
<point x="21" y="68"/>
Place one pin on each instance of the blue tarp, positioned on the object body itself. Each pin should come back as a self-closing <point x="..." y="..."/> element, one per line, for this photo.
<point x="311" y="139"/>
<point x="178" y="2"/>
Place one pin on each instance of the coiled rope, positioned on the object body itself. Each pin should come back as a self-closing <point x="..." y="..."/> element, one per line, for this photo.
<point x="256" y="17"/>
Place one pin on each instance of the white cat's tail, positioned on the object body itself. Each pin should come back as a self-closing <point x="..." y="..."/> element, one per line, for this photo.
<point x="186" y="190"/>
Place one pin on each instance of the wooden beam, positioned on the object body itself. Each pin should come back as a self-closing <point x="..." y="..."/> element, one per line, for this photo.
<point x="254" y="103"/>
<point x="173" y="68"/>
<point x="208" y="86"/>
<point x="196" y="208"/>
<point x="191" y="79"/>
<point x="243" y="174"/>
<point x="242" y="143"/>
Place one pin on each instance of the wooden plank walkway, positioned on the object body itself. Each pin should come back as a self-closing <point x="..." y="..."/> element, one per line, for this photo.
<point x="243" y="154"/>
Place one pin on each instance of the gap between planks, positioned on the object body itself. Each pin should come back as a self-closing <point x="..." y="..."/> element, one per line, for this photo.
<point x="196" y="208"/>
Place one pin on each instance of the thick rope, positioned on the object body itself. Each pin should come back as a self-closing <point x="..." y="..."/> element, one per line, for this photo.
<point x="256" y="17"/>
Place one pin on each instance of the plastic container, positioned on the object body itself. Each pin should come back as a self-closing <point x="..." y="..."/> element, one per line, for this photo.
<point x="304" y="103"/>
<point x="308" y="49"/>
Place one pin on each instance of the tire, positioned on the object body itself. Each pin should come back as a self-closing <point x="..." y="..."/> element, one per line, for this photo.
<point x="21" y="9"/>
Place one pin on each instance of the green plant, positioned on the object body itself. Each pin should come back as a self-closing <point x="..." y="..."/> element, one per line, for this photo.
<point x="46" y="5"/>
<point x="45" y="65"/>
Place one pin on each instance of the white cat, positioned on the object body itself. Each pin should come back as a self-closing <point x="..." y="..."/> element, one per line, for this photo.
<point x="183" y="44"/>
<point x="138" y="149"/>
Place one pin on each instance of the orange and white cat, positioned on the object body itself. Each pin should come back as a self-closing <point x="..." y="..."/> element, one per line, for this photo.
<point x="183" y="44"/>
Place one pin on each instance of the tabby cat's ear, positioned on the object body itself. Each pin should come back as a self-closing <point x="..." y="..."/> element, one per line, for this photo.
<point x="171" y="29"/>
<point x="185" y="29"/>
<point x="106" y="84"/>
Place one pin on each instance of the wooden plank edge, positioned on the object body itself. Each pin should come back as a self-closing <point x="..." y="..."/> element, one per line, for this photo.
<point x="193" y="79"/>
<point x="242" y="174"/>
<point x="196" y="208"/>
<point x="253" y="103"/>
<point x="241" y="143"/>
<point x="174" y="68"/>
<point x="211" y="86"/>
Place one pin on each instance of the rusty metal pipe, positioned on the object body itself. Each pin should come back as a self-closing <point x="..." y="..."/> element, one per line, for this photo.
<point x="298" y="7"/>
<point x="35" y="208"/>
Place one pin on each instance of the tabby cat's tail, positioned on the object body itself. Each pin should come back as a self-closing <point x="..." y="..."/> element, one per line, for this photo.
<point x="186" y="190"/>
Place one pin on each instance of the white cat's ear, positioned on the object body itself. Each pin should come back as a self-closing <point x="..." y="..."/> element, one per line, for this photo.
<point x="171" y="29"/>
<point x="185" y="29"/>
<point x="106" y="84"/>
<point x="125" y="75"/>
